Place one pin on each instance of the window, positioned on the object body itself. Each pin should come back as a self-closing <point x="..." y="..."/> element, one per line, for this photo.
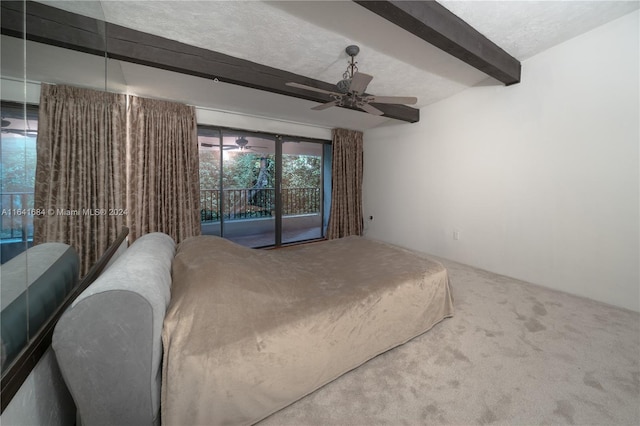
<point x="260" y="189"/>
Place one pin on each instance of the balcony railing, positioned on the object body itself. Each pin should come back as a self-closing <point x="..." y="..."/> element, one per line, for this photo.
<point x="247" y="203"/>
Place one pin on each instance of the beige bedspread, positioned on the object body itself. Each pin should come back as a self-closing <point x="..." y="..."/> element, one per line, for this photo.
<point x="250" y="331"/>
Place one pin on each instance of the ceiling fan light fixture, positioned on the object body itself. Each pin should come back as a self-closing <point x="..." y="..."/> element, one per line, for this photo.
<point x="343" y="85"/>
<point x="242" y="142"/>
<point x="352" y="50"/>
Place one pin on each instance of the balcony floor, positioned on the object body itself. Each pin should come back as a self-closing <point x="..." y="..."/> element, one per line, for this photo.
<point x="260" y="232"/>
<point x="266" y="239"/>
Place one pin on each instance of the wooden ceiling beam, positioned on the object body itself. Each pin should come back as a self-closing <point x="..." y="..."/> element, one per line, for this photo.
<point x="436" y="25"/>
<point x="60" y="28"/>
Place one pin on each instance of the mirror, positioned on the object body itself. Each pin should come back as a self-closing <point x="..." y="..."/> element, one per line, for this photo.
<point x="35" y="279"/>
<point x="14" y="190"/>
<point x="18" y="149"/>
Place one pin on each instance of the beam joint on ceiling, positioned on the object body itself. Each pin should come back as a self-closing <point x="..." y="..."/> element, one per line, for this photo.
<point x="436" y="25"/>
<point x="49" y="25"/>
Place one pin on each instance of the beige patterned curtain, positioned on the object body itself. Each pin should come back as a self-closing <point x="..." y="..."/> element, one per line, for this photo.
<point x="346" y="193"/>
<point x="164" y="183"/>
<point x="80" y="169"/>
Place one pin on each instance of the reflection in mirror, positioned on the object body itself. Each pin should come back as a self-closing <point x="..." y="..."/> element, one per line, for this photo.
<point x="18" y="149"/>
<point x="52" y="272"/>
<point x="36" y="278"/>
<point x="18" y="153"/>
<point x="16" y="185"/>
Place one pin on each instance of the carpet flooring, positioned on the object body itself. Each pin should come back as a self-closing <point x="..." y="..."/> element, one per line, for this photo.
<point x="513" y="354"/>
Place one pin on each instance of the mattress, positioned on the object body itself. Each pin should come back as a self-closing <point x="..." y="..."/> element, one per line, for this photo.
<point x="249" y="331"/>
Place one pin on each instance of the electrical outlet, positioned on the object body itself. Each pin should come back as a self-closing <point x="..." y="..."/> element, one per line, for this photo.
<point x="456" y="234"/>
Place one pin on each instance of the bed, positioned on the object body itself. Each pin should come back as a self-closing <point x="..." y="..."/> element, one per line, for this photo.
<point x="249" y="332"/>
<point x="243" y="332"/>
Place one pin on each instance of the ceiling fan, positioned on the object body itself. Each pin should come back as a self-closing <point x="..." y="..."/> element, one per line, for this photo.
<point x="22" y="132"/>
<point x="242" y="144"/>
<point x="351" y="90"/>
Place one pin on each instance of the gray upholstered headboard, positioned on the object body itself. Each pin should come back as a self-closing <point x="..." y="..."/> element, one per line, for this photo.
<point x="109" y="342"/>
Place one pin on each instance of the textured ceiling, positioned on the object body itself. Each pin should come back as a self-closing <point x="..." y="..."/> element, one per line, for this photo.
<point x="525" y="28"/>
<point x="309" y="37"/>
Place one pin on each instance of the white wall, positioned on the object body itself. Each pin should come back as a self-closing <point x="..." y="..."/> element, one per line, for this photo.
<point x="541" y="179"/>
<point x="263" y="124"/>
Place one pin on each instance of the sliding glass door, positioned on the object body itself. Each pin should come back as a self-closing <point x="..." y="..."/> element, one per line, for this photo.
<point x="302" y="194"/>
<point x="261" y="190"/>
<point x="209" y="141"/>
<point x="248" y="188"/>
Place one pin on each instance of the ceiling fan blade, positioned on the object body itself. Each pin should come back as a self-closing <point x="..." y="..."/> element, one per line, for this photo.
<point x="21" y="132"/>
<point x="405" y="100"/>
<point x="370" y="109"/>
<point x="325" y="106"/>
<point x="313" y="89"/>
<point x="359" y="82"/>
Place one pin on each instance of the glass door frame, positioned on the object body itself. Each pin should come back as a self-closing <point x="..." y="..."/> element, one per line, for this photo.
<point x="279" y="139"/>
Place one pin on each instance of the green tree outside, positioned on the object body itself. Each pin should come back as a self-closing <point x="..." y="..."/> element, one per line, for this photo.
<point x="18" y="163"/>
<point x="242" y="170"/>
